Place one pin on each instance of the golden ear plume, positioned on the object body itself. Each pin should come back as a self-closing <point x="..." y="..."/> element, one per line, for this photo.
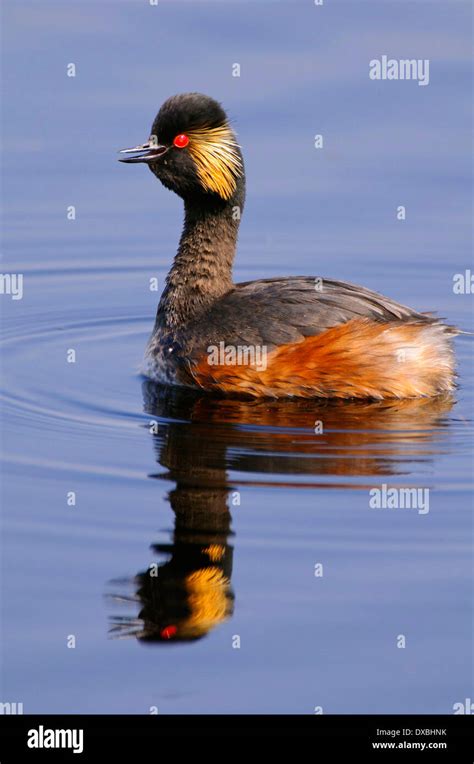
<point x="217" y="159"/>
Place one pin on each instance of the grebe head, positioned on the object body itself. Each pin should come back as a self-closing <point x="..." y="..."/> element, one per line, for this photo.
<point x="192" y="149"/>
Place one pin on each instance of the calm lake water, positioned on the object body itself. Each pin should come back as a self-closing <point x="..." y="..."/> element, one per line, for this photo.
<point x="287" y="590"/>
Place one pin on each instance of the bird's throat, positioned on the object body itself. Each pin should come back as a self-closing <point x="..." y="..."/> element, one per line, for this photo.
<point x="202" y="269"/>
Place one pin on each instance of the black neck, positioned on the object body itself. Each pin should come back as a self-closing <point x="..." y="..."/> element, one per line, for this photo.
<point x="202" y="268"/>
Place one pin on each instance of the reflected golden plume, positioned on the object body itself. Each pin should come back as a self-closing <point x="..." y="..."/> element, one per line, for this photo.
<point x="207" y="601"/>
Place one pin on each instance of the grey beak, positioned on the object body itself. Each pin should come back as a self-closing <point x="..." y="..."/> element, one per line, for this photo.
<point x="147" y="152"/>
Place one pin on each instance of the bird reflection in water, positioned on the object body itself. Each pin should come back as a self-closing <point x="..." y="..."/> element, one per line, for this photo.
<point x="298" y="442"/>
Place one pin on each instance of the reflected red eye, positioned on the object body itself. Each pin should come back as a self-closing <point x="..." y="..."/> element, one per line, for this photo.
<point x="181" y="141"/>
<point x="168" y="632"/>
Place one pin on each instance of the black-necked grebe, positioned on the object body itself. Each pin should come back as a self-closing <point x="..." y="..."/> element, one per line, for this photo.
<point x="292" y="336"/>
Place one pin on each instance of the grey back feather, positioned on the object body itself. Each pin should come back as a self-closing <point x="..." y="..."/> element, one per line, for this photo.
<point x="278" y="311"/>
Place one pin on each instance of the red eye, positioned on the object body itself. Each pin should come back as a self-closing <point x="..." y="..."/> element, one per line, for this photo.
<point x="181" y="141"/>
